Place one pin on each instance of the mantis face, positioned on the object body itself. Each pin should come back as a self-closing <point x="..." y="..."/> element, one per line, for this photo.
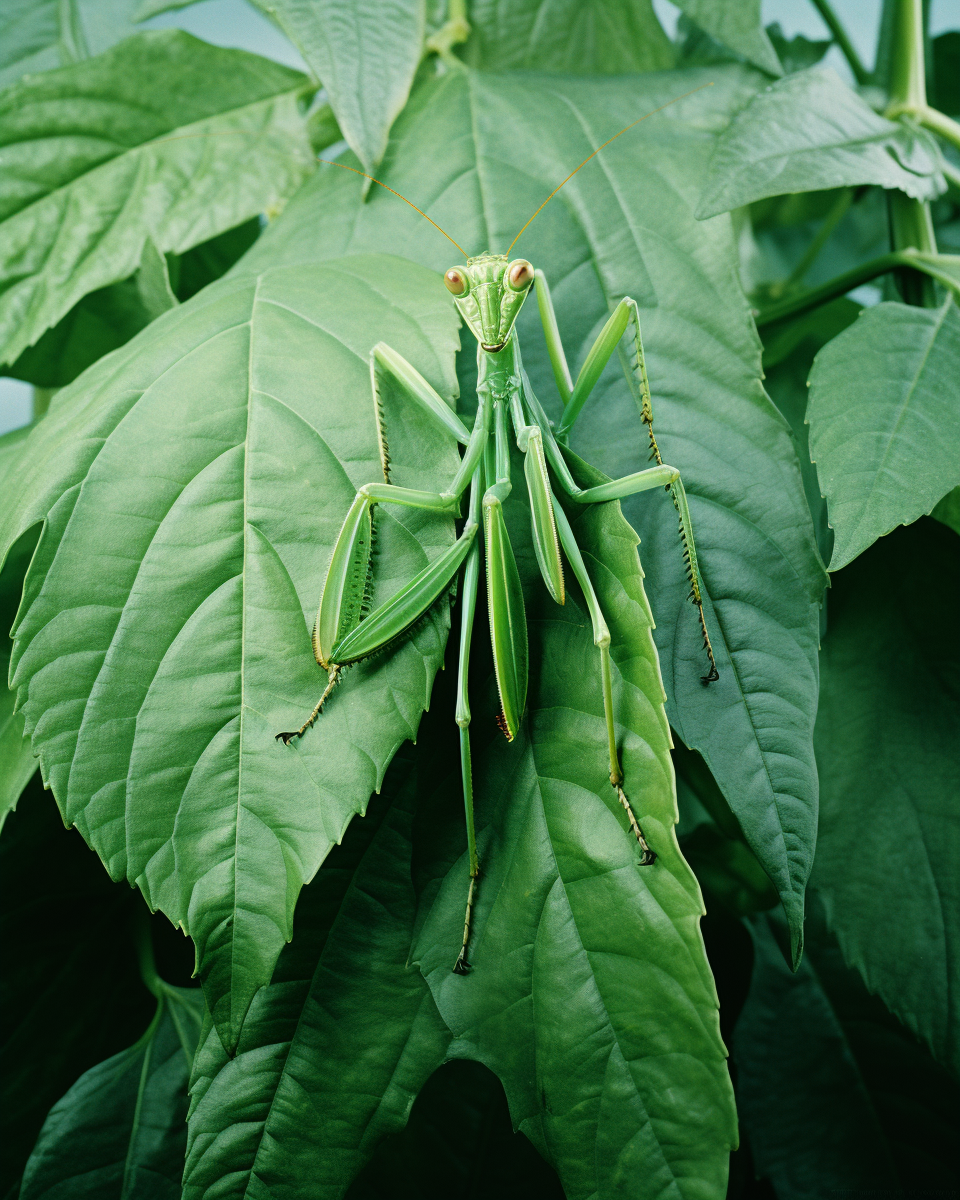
<point x="489" y="292"/>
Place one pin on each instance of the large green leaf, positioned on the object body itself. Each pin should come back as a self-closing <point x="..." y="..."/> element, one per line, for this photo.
<point x="567" y="922"/>
<point x="364" y="53"/>
<point x="738" y="26"/>
<point x="834" y="1094"/>
<point x="573" y="939"/>
<point x="38" y="35"/>
<point x="590" y="994"/>
<point x="120" y="1131"/>
<point x="808" y="132"/>
<point x="887" y="738"/>
<point x="884" y="416"/>
<point x="163" y="137"/>
<point x="335" y="1050"/>
<point x="509" y="141"/>
<point x="599" y="37"/>
<point x="192" y="485"/>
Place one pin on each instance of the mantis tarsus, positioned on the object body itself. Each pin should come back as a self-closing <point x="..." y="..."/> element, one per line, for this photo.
<point x="489" y="291"/>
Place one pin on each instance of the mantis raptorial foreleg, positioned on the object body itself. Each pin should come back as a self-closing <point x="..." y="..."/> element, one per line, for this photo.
<point x="574" y="396"/>
<point x="342" y="633"/>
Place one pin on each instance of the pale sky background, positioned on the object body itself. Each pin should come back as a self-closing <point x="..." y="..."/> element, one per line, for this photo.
<point x="236" y="23"/>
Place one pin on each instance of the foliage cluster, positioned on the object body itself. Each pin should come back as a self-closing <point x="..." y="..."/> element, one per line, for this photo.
<point x="200" y="297"/>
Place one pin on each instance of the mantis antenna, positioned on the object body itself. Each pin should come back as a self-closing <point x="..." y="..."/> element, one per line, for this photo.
<point x="331" y="163"/>
<point x="597" y="151"/>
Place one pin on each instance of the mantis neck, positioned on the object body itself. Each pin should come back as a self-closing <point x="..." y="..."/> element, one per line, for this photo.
<point x="497" y="373"/>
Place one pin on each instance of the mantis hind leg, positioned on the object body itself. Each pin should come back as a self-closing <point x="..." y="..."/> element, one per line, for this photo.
<point x="471" y="577"/>
<point x="601" y="638"/>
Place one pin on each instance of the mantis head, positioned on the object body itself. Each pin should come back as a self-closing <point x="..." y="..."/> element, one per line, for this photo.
<point x="489" y="292"/>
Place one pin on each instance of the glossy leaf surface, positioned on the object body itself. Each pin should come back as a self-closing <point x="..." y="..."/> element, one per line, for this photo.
<point x="884" y="416"/>
<point x="509" y="141"/>
<point x="84" y="190"/>
<point x="809" y="132"/>
<point x="120" y="1130"/>
<point x="219" y="450"/>
<point x="364" y="53"/>
<point x="887" y="734"/>
<point x="335" y="1050"/>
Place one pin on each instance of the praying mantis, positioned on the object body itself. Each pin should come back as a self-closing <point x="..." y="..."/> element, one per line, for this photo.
<point x="489" y="291"/>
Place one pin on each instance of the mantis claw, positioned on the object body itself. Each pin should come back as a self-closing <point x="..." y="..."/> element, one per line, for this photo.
<point x="333" y="677"/>
<point x="461" y="966"/>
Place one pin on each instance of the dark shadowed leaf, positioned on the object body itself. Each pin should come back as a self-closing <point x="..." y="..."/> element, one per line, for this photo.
<point x="834" y="1093"/>
<point x="459" y="1141"/>
<point x="947" y="510"/>
<point x="71" y="991"/>
<point x="737" y="26"/>
<point x="508" y="142"/>
<point x="808" y="132"/>
<point x="335" y="1050"/>
<point x="192" y="486"/>
<point x="121" y="1129"/>
<point x="887" y="737"/>
<point x="163" y="137"/>
<point x="797" y="52"/>
<point x="364" y="53"/>
<point x="884" y="416"/>
<point x="107" y="318"/>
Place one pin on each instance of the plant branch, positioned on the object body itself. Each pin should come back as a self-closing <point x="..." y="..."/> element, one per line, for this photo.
<point x="930" y="118"/>
<point x="842" y="38"/>
<point x="833" y="218"/>
<point x="813" y="297"/>
<point x="908" y="87"/>
<point x="911" y="224"/>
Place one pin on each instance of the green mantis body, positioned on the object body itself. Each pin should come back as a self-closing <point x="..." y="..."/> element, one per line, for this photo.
<point x="489" y="291"/>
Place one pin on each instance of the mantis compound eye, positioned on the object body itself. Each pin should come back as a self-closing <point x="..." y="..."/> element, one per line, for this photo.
<point x="455" y="282"/>
<point x="519" y="275"/>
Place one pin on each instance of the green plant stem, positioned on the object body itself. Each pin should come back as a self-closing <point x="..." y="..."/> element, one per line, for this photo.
<point x="910" y="221"/>
<point x="838" y="211"/>
<point x="840" y="36"/>
<point x="951" y="174"/>
<point x="148" y="964"/>
<point x="908" y="87"/>
<point x="930" y="118"/>
<point x="73" y="43"/>
<point x="456" y="29"/>
<point x="804" y="301"/>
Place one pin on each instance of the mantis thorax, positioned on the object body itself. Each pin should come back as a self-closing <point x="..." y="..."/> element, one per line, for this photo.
<point x="489" y="293"/>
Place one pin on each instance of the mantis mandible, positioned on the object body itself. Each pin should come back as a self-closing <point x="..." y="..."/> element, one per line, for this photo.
<point x="489" y="290"/>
